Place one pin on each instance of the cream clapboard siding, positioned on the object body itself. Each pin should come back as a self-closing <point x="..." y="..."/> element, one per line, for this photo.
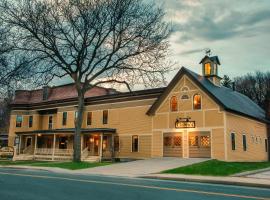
<point x="209" y="118"/>
<point x="241" y="125"/>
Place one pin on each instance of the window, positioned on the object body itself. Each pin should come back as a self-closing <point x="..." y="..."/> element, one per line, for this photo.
<point x="177" y="141"/>
<point x="207" y="69"/>
<point x="167" y="141"/>
<point x="50" y="122"/>
<point x="105" y="116"/>
<point x="233" y="140"/>
<point x="174" y="103"/>
<point x="205" y="141"/>
<point x="197" y="102"/>
<point x="19" y="119"/>
<point x="89" y="118"/>
<point x="266" y="145"/>
<point x="116" y="144"/>
<point x="30" y="121"/>
<point x="244" y="142"/>
<point x="63" y="141"/>
<point x="193" y="141"/>
<point x="135" y="143"/>
<point x="64" y="119"/>
<point x="76" y="115"/>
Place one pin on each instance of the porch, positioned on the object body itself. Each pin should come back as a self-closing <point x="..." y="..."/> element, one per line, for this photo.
<point x="57" y="145"/>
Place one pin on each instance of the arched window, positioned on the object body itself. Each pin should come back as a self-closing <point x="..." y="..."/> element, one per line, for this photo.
<point x="197" y="102"/>
<point x="174" y="104"/>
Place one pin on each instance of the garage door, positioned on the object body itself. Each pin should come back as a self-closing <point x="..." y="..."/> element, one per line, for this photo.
<point x="172" y="145"/>
<point x="199" y="144"/>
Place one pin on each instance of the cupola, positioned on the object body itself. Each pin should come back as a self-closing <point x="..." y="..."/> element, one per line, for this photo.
<point x="210" y="66"/>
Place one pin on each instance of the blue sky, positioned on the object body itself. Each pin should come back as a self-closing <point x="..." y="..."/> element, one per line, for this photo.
<point x="238" y="31"/>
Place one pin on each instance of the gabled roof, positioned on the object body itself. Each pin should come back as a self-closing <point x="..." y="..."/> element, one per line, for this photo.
<point x="212" y="58"/>
<point x="228" y="99"/>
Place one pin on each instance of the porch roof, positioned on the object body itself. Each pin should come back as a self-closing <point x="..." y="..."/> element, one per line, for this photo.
<point x="69" y="131"/>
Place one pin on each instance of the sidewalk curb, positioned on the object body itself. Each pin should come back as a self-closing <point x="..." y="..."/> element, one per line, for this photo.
<point x="251" y="172"/>
<point x="223" y="182"/>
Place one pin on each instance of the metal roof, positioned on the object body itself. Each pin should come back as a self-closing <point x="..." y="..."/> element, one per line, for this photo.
<point x="228" y="99"/>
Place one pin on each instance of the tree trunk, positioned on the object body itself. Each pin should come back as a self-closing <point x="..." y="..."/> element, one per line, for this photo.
<point x="78" y="126"/>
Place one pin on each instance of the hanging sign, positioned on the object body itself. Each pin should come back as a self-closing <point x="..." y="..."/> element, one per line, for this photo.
<point x="184" y="123"/>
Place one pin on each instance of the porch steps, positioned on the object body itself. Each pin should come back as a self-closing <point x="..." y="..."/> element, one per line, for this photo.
<point x="92" y="159"/>
<point x="23" y="157"/>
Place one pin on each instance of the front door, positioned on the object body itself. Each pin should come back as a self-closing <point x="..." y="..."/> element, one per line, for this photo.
<point x="93" y="143"/>
<point x="172" y="145"/>
<point x="96" y="145"/>
<point x="28" y="142"/>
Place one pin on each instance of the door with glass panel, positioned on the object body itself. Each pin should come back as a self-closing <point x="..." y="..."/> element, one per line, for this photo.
<point x="199" y="144"/>
<point x="172" y="145"/>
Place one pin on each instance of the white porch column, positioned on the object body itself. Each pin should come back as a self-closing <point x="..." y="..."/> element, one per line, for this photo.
<point x="101" y="147"/>
<point x="54" y="140"/>
<point x="35" y="144"/>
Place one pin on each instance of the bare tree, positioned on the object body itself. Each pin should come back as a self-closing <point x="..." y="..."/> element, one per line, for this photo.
<point x="255" y="86"/>
<point x="94" y="42"/>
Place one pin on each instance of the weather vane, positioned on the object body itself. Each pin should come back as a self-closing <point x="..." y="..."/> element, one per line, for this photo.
<point x="208" y="52"/>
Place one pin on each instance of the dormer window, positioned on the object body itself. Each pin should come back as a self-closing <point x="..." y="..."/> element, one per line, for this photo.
<point x="174" y="104"/>
<point x="197" y="104"/>
<point x="207" y="69"/>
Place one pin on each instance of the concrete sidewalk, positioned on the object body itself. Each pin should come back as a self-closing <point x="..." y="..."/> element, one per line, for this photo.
<point x="243" y="181"/>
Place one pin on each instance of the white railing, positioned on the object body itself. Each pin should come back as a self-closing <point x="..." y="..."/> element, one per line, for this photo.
<point x="84" y="153"/>
<point x="28" y="150"/>
<point x="43" y="151"/>
<point x="63" y="152"/>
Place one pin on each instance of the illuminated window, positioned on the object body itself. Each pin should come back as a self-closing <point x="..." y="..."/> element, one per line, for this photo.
<point x="197" y="102"/>
<point x="177" y="141"/>
<point x="193" y="141"/>
<point x="135" y="143"/>
<point x="205" y="141"/>
<point x="19" y="119"/>
<point x="89" y="118"/>
<point x="174" y="104"/>
<point x="105" y="116"/>
<point x="207" y="69"/>
<point x="233" y="140"/>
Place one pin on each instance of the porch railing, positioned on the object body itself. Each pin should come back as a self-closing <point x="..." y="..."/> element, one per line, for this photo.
<point x="56" y="152"/>
<point x="84" y="153"/>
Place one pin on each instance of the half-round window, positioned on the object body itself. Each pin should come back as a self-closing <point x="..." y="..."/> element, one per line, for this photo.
<point x="174" y="103"/>
<point x="197" y="102"/>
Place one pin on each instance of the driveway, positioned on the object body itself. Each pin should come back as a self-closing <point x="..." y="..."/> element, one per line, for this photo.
<point x="141" y="167"/>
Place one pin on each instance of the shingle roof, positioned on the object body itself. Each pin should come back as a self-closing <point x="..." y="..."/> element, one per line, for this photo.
<point x="230" y="100"/>
<point x="57" y="93"/>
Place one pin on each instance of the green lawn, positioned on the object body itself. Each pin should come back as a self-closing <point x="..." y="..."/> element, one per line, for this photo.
<point x="218" y="168"/>
<point x="64" y="165"/>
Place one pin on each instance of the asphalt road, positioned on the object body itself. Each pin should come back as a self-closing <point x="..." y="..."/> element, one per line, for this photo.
<point x="18" y="184"/>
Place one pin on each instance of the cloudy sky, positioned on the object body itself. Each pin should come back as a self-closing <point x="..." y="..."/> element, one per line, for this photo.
<point x="238" y="31"/>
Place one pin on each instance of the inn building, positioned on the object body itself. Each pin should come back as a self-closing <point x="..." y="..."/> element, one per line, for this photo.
<point x="193" y="117"/>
